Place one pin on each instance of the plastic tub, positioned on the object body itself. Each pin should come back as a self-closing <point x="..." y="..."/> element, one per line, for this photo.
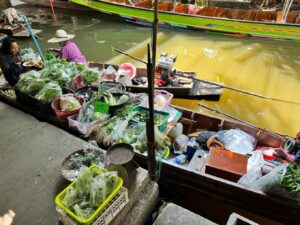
<point x="165" y="94"/>
<point x="162" y="127"/>
<point x="63" y="115"/>
<point x="61" y="195"/>
<point x="83" y="128"/>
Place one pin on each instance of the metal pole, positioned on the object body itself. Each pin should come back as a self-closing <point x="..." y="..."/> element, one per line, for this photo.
<point x="151" y="75"/>
<point x="33" y="38"/>
<point x="150" y="123"/>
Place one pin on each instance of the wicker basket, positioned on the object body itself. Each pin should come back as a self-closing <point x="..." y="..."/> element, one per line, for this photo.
<point x="107" y="214"/>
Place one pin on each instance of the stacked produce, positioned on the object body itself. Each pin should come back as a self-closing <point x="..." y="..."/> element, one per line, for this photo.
<point x="89" y="192"/>
<point x="46" y="84"/>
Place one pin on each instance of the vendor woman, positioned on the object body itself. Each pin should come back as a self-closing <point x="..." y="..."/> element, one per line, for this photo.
<point x="9" y="60"/>
<point x="69" y="50"/>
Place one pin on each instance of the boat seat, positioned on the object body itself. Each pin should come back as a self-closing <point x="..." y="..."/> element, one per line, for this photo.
<point x="221" y="12"/>
<point x="251" y="15"/>
<point x="291" y="18"/>
<point x="182" y="8"/>
<point x="265" y="16"/>
<point x="211" y="11"/>
<point x="165" y="6"/>
<point x="297" y="21"/>
<point x="237" y="14"/>
<point x="202" y="12"/>
<point x="144" y="4"/>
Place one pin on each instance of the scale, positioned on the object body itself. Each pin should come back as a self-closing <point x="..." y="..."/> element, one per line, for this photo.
<point x="120" y="159"/>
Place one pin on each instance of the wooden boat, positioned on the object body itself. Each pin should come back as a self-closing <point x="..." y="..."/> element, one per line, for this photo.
<point x="195" y="184"/>
<point x="249" y="23"/>
<point x="195" y="89"/>
<point x="61" y="4"/>
<point x="16" y="31"/>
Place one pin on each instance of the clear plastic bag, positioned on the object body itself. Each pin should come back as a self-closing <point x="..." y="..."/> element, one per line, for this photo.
<point x="236" y="140"/>
<point x="69" y="102"/>
<point x="271" y="183"/>
<point x="254" y="169"/>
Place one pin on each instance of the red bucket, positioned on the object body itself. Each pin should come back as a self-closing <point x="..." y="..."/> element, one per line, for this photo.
<point x="63" y="115"/>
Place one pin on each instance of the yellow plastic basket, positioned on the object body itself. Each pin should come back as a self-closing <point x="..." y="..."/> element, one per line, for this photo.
<point x="60" y="196"/>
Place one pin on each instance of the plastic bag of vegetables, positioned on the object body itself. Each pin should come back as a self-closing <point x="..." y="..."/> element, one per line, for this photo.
<point x="49" y="92"/>
<point x="89" y="192"/>
<point x="30" y="82"/>
<point x="283" y="181"/>
<point x="69" y="102"/>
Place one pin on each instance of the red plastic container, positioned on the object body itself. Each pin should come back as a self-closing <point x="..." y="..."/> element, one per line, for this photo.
<point x="78" y="82"/>
<point x="63" y="115"/>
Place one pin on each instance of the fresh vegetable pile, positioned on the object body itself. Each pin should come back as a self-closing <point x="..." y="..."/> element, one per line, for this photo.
<point x="90" y="77"/>
<point x="49" y="92"/>
<point x="291" y="179"/>
<point x="82" y="159"/>
<point x="143" y="115"/>
<point x="10" y="93"/>
<point x="89" y="192"/>
<point x="30" y="82"/>
<point x="27" y="54"/>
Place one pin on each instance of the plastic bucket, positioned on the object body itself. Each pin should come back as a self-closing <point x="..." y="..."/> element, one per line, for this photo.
<point x="63" y="115"/>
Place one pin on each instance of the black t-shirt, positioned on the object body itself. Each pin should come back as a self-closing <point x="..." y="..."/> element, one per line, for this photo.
<point x="10" y="69"/>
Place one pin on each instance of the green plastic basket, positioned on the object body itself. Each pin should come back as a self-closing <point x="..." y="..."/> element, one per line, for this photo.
<point x="161" y="127"/>
<point x="60" y="196"/>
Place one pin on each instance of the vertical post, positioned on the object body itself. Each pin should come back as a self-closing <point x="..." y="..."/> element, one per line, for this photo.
<point x="151" y="74"/>
<point x="33" y="38"/>
<point x="150" y="122"/>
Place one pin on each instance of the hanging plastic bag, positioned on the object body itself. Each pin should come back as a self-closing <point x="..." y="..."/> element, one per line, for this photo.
<point x="236" y="140"/>
<point x="282" y="181"/>
<point x="254" y="169"/>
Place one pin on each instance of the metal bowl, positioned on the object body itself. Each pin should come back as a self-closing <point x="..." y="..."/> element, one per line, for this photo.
<point x="120" y="154"/>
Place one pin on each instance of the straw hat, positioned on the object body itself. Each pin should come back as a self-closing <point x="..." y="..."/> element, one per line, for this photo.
<point x="60" y="36"/>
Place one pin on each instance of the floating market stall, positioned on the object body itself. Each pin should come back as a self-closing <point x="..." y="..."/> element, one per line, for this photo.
<point x="189" y="144"/>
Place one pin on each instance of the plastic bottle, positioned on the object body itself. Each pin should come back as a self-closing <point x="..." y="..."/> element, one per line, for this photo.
<point x="181" y="159"/>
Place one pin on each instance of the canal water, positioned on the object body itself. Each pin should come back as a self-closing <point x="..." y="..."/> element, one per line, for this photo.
<point x="270" y="68"/>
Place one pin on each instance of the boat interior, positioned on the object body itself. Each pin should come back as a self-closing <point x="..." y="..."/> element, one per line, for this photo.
<point x="216" y="12"/>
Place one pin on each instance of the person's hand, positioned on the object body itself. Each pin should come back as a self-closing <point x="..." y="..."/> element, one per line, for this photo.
<point x="7" y="218"/>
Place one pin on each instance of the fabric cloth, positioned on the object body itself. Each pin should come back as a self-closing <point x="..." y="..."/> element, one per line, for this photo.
<point x="10" y="69"/>
<point x="71" y="53"/>
<point x="11" y="15"/>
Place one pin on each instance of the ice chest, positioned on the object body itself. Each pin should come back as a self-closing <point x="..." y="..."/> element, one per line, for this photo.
<point x="226" y="164"/>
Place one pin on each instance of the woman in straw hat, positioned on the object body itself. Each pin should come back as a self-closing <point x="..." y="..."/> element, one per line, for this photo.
<point x="69" y="50"/>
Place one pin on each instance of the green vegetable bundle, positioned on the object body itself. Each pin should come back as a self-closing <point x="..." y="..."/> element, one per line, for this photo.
<point x="27" y="54"/>
<point x="90" y="76"/>
<point x="30" y="83"/>
<point x="291" y="179"/>
<point x="49" y="92"/>
<point x="90" y="191"/>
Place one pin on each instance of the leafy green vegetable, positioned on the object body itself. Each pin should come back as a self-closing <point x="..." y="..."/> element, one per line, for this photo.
<point x="30" y="82"/>
<point x="27" y="54"/>
<point x="90" y="191"/>
<point x="49" y="92"/>
<point x="291" y="178"/>
<point x="90" y="76"/>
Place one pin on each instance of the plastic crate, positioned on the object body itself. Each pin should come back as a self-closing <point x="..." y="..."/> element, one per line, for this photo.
<point x="166" y="94"/>
<point x="163" y="126"/>
<point x="34" y="104"/>
<point x="63" y="115"/>
<point x="60" y="196"/>
<point x="106" y="216"/>
<point x="83" y="128"/>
